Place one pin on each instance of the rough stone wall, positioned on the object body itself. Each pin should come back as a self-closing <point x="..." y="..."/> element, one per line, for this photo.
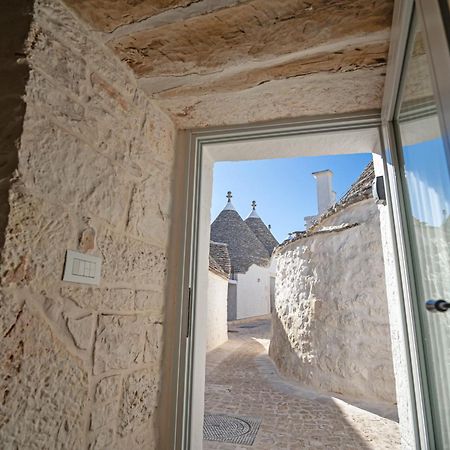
<point x="80" y="366"/>
<point x="15" y="18"/>
<point x="217" y="328"/>
<point x="331" y="326"/>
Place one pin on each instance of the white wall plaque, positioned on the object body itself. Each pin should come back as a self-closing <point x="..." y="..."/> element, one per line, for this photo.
<point x="82" y="268"/>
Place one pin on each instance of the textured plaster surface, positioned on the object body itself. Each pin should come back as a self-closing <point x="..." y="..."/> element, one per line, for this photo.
<point x="81" y="366"/>
<point x="242" y="380"/>
<point x="331" y="326"/>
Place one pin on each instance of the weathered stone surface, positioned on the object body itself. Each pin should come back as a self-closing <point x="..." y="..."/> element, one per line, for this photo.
<point x="119" y="343"/>
<point x="252" y="31"/>
<point x="348" y="59"/>
<point x="103" y="440"/>
<point x="126" y="341"/>
<point x="10" y="311"/>
<point x="331" y="326"/>
<point x="316" y="94"/>
<point x="81" y="330"/>
<point x="103" y="191"/>
<point x="37" y="235"/>
<point x="108" y="388"/>
<point x="153" y="342"/>
<point x="152" y="194"/>
<point x="103" y="300"/>
<point x="60" y="63"/>
<point x="194" y="55"/>
<point x="138" y="400"/>
<point x="89" y="136"/>
<point x="106" y="399"/>
<point x="106" y="15"/>
<point x="101" y="415"/>
<point x="43" y="389"/>
<point x="118" y="300"/>
<point x="131" y="262"/>
<point x="267" y="54"/>
<point x="149" y="300"/>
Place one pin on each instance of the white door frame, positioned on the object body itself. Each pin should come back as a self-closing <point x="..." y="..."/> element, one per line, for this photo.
<point x="184" y="413"/>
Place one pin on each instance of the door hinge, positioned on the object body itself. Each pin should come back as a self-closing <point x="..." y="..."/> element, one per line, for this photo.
<point x="189" y="313"/>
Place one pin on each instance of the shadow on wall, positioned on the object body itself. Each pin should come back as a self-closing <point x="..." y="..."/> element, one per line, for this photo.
<point x="330" y="322"/>
<point x="289" y="359"/>
<point x="15" y="19"/>
<point x="247" y="383"/>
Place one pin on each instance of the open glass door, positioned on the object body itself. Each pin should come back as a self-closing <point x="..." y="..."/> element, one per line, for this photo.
<point x="423" y="154"/>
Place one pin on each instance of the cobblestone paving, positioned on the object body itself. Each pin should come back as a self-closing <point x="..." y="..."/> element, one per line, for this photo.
<point x="242" y="380"/>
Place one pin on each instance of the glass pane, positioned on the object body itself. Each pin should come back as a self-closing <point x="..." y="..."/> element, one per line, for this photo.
<point x="425" y="173"/>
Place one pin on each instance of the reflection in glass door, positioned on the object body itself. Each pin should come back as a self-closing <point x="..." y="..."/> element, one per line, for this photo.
<point x="424" y="158"/>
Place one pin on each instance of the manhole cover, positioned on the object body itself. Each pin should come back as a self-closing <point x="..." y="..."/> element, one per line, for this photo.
<point x="232" y="429"/>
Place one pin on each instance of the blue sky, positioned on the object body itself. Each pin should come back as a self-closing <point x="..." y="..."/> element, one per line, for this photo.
<point x="284" y="189"/>
<point x="428" y="181"/>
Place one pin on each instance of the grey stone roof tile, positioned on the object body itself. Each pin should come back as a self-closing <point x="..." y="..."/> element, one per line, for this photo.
<point x="244" y="247"/>
<point x="262" y="233"/>
<point x="219" y="252"/>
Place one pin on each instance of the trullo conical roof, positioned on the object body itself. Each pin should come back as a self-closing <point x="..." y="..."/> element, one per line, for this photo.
<point x="244" y="247"/>
<point x="260" y="230"/>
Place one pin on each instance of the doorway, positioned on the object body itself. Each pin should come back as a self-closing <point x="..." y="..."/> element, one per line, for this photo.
<point x="329" y="331"/>
<point x="351" y="134"/>
<point x="422" y="411"/>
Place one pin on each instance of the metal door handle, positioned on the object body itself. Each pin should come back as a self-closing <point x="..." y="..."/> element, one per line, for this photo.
<point x="437" y="305"/>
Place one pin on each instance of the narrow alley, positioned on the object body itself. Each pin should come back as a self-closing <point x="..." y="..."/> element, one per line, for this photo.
<point x="241" y="380"/>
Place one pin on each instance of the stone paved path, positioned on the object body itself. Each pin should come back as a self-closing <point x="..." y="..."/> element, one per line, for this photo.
<point x="241" y="379"/>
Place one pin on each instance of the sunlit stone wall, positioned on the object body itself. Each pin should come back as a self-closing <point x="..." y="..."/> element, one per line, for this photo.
<point x="331" y="325"/>
<point x="81" y="366"/>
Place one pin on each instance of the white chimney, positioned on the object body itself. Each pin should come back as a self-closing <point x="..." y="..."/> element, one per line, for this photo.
<point x="326" y="197"/>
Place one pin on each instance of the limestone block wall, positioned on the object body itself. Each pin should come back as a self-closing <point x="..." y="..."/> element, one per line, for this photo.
<point x="253" y="292"/>
<point x="217" y="329"/>
<point x="80" y="366"/>
<point x="331" y="326"/>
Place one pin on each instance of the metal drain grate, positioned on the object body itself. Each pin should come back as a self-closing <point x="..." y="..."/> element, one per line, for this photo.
<point x="232" y="429"/>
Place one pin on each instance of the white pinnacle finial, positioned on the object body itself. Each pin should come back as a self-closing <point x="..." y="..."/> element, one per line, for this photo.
<point x="253" y="214"/>
<point x="229" y="205"/>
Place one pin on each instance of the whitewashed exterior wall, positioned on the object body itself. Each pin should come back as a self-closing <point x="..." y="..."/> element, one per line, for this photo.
<point x="253" y="292"/>
<point x="331" y="326"/>
<point x="217" y="329"/>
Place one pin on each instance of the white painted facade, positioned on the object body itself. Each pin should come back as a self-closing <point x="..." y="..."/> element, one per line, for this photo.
<point x="331" y="323"/>
<point x="253" y="292"/>
<point x="217" y="330"/>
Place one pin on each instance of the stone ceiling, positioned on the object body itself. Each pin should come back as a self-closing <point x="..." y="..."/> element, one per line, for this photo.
<point x="213" y="62"/>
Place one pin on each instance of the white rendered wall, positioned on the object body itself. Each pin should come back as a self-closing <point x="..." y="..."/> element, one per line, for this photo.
<point x="253" y="292"/>
<point x="217" y="330"/>
<point x="331" y="323"/>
